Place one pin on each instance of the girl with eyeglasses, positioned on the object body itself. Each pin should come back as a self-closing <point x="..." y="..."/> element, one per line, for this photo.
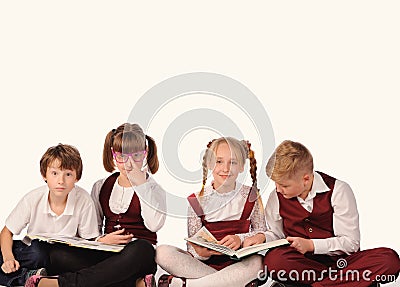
<point x="131" y="208"/>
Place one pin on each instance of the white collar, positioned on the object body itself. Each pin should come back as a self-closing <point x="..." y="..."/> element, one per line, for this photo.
<point x="69" y="207"/>
<point x="318" y="186"/>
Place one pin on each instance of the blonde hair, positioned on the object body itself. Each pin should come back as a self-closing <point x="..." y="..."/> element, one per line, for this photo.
<point x="289" y="158"/>
<point x="241" y="149"/>
<point x="129" y="138"/>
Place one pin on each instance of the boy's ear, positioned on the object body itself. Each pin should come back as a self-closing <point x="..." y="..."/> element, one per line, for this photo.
<point x="306" y="178"/>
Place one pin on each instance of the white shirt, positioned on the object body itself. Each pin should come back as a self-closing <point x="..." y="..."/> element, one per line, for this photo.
<point x="223" y="207"/>
<point x="33" y="210"/>
<point x="151" y="196"/>
<point x="345" y="218"/>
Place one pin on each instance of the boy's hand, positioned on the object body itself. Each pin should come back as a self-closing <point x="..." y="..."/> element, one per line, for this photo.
<point x="255" y="239"/>
<point x="231" y="241"/>
<point x="117" y="237"/>
<point x="203" y="251"/>
<point x="10" y="265"/>
<point x="302" y="245"/>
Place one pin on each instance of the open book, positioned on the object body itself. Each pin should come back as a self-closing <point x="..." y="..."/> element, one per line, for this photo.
<point x="204" y="238"/>
<point x="73" y="241"/>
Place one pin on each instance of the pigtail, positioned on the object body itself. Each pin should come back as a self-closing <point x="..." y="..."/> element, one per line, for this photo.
<point x="253" y="165"/>
<point x="255" y="195"/>
<point x="152" y="158"/>
<point x="205" y="173"/>
<point x="205" y="167"/>
<point x="108" y="161"/>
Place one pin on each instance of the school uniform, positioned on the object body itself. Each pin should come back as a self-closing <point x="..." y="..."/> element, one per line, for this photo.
<point x="329" y="217"/>
<point x="238" y="212"/>
<point x="33" y="211"/>
<point x="225" y="214"/>
<point x="141" y="211"/>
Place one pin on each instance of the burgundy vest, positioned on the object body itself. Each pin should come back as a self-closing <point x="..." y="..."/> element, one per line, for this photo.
<point x="299" y="222"/>
<point x="222" y="228"/>
<point x="131" y="220"/>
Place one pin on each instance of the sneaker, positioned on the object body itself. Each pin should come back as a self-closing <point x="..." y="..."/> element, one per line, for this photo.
<point x="34" y="280"/>
<point x="149" y="280"/>
<point x="40" y="271"/>
<point x="31" y="272"/>
<point x="165" y="280"/>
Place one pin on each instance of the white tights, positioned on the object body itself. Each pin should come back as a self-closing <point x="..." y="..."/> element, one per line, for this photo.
<point x="180" y="263"/>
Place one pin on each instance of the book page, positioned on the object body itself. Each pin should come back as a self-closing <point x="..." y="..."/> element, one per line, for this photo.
<point x="75" y="242"/>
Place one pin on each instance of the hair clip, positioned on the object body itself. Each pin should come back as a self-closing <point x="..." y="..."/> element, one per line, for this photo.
<point x="209" y="144"/>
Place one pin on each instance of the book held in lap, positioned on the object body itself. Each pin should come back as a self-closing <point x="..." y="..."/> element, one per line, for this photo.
<point x="74" y="241"/>
<point x="204" y="238"/>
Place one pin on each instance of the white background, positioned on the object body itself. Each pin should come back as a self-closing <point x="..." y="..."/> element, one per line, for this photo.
<point x="326" y="72"/>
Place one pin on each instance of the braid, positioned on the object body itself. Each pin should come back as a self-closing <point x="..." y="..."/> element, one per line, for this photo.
<point x="253" y="167"/>
<point x="253" y="172"/>
<point x="205" y="167"/>
<point x="253" y="162"/>
<point x="205" y="173"/>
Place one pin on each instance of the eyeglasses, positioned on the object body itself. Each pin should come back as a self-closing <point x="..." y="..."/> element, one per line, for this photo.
<point x="123" y="157"/>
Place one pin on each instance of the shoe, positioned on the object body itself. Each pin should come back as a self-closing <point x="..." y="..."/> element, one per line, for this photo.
<point x="165" y="280"/>
<point x="34" y="280"/>
<point x="40" y="271"/>
<point x="253" y="283"/>
<point x="149" y="280"/>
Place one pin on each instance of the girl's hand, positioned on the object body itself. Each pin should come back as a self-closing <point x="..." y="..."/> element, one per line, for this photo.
<point x="255" y="239"/>
<point x="302" y="245"/>
<point x="231" y="241"/>
<point x="10" y="265"/>
<point x="117" y="237"/>
<point x="137" y="176"/>
<point x="204" y="252"/>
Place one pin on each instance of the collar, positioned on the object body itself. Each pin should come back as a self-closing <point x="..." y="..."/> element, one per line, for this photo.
<point x="69" y="207"/>
<point x="318" y="186"/>
<point x="210" y="190"/>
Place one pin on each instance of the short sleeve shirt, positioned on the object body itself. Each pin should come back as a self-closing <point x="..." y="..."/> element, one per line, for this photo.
<point x="33" y="210"/>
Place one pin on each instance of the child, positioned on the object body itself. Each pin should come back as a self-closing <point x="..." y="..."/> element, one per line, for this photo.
<point x="318" y="215"/>
<point x="230" y="211"/>
<point x="60" y="207"/>
<point x="131" y="205"/>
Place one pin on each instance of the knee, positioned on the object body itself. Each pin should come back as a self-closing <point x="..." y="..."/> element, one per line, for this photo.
<point x="139" y="246"/>
<point x="254" y="263"/>
<point x="275" y="260"/>
<point x="139" y="251"/>
<point x="389" y="259"/>
<point x="164" y="254"/>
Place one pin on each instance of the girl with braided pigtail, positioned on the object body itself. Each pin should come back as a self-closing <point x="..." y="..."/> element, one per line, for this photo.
<point x="231" y="211"/>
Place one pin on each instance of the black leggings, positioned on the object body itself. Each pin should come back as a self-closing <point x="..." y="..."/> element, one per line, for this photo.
<point x="80" y="267"/>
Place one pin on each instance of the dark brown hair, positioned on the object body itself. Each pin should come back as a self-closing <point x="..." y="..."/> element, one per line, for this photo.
<point x="67" y="156"/>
